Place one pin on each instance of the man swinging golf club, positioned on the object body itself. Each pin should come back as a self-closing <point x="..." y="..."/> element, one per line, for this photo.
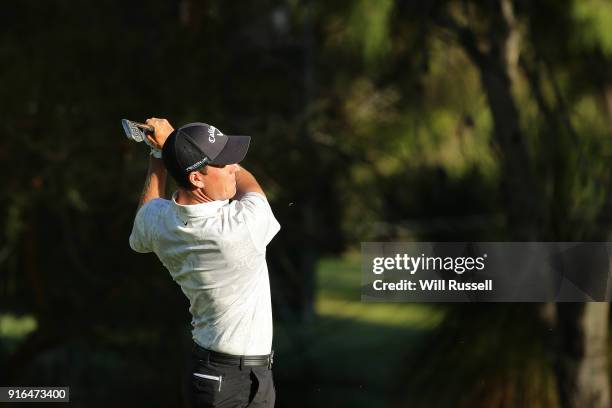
<point x="212" y="237"/>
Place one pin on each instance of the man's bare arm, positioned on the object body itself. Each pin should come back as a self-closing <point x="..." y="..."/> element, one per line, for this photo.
<point x="246" y="183"/>
<point x="155" y="183"/>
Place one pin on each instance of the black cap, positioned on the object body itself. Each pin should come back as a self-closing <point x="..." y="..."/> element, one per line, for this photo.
<point x="195" y="145"/>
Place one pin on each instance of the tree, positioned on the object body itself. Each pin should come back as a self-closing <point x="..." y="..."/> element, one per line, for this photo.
<point x="539" y="186"/>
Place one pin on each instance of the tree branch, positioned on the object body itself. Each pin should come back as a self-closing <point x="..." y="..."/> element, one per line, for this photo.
<point x="464" y="35"/>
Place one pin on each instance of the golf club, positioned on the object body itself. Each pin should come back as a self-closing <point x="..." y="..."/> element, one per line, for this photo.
<point x="136" y="131"/>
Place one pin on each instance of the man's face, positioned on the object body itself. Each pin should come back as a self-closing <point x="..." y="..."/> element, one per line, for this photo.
<point x="220" y="181"/>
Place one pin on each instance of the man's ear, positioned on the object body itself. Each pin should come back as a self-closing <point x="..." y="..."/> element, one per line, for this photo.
<point x="196" y="179"/>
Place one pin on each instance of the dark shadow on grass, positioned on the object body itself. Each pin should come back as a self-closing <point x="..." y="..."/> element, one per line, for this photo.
<point x="341" y="363"/>
<point x="482" y="355"/>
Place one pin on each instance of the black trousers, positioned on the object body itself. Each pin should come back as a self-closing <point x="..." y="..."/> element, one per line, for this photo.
<point x="211" y="384"/>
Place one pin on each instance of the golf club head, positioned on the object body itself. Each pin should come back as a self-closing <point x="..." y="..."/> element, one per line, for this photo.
<point x="135" y="131"/>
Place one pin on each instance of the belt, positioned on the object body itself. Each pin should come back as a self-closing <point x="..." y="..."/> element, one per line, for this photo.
<point x="264" y="360"/>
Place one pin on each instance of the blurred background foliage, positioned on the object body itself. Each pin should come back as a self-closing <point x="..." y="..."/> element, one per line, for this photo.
<point x="371" y="120"/>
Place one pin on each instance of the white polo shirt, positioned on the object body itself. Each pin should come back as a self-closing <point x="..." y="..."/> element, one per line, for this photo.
<point x="216" y="252"/>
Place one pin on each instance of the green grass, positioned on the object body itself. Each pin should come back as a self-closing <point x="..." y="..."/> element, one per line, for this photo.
<point x="13" y="329"/>
<point x="350" y="354"/>
<point x="339" y="297"/>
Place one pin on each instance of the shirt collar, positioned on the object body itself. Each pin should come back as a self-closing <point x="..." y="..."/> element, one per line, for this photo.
<point x="198" y="210"/>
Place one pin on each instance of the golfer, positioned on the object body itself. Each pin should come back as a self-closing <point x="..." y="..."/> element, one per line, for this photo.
<point x="212" y="237"/>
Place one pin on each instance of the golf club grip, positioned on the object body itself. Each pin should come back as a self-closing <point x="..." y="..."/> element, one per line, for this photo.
<point x="145" y="127"/>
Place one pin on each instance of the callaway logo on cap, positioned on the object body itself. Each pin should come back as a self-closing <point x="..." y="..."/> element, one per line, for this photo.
<point x="194" y="145"/>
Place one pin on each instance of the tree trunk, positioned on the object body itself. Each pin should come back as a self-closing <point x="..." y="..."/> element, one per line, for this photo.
<point x="498" y="66"/>
<point x="581" y="366"/>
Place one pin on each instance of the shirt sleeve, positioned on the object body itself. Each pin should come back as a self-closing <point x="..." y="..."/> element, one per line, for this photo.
<point x="140" y="238"/>
<point x="259" y="219"/>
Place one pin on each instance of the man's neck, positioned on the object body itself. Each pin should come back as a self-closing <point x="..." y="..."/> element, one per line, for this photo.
<point x="189" y="197"/>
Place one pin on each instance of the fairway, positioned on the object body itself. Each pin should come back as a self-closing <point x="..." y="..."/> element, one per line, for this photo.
<point x="352" y="351"/>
